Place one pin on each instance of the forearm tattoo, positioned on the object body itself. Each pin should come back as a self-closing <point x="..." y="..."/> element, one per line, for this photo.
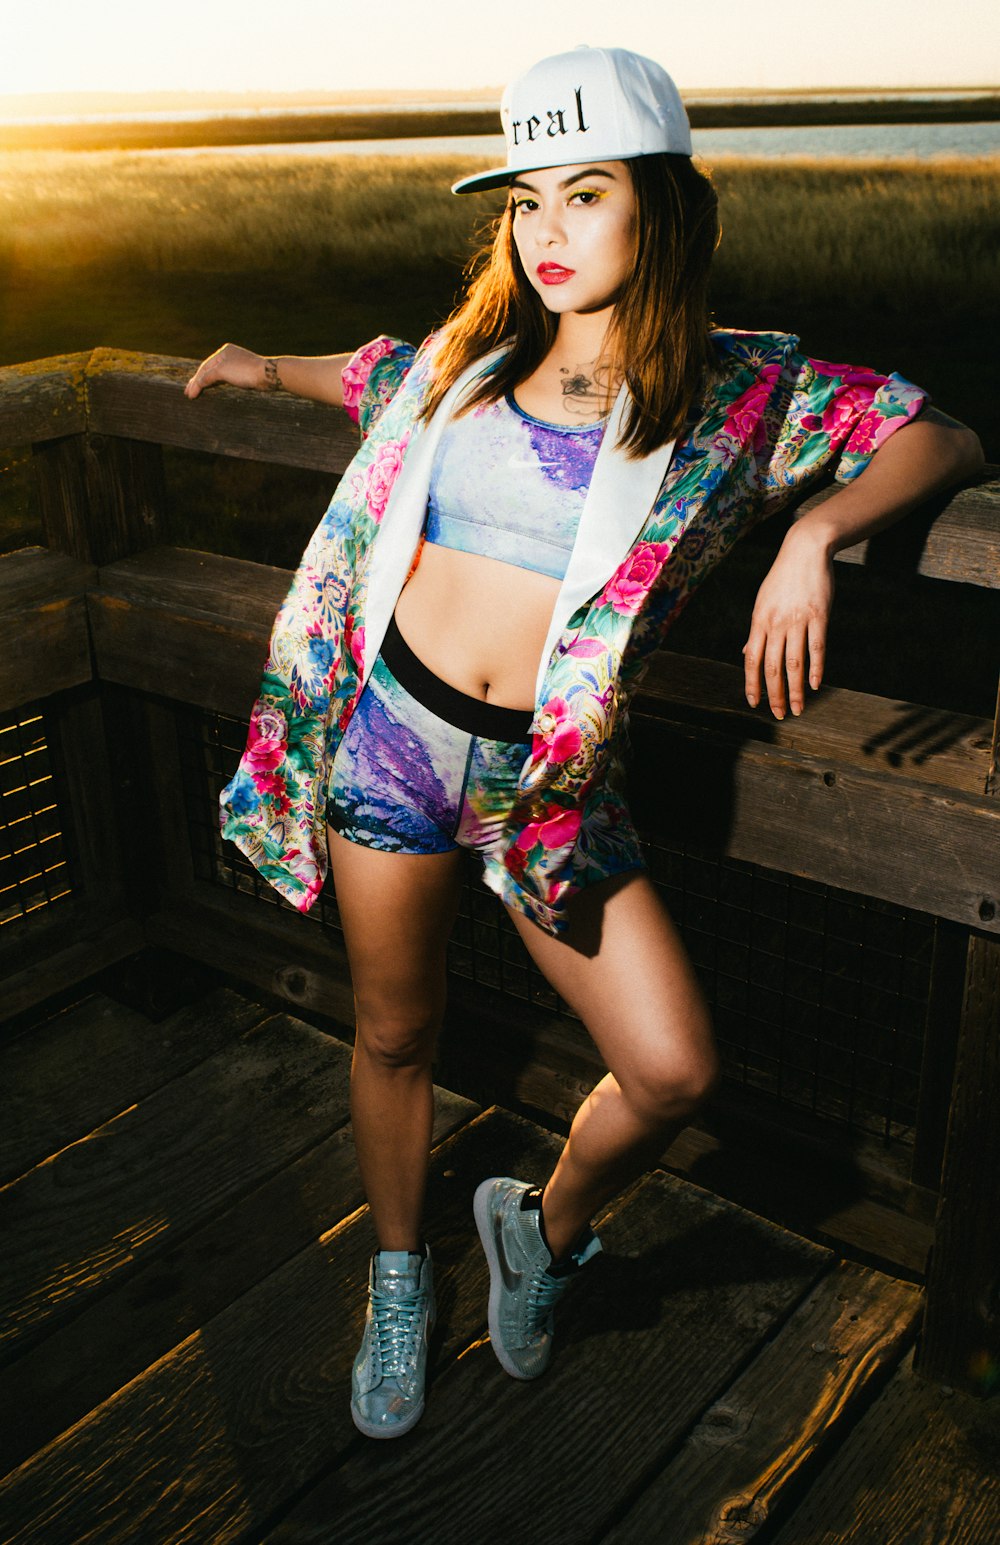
<point x="588" y="390"/>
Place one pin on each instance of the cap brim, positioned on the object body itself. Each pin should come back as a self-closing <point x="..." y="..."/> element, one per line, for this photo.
<point x="484" y="180"/>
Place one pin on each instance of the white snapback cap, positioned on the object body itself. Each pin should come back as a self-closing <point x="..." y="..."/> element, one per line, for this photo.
<point x="592" y="104"/>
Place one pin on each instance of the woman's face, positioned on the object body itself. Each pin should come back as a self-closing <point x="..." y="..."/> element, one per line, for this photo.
<point x="574" y="229"/>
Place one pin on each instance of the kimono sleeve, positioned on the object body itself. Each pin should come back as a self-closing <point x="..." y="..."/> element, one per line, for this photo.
<point x="822" y="418"/>
<point x="371" y="378"/>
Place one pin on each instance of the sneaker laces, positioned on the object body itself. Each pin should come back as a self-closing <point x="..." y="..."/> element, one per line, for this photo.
<point x="543" y="1293"/>
<point x="396" y="1322"/>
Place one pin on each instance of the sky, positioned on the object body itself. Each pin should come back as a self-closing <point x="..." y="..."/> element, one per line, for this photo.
<point x="331" y="45"/>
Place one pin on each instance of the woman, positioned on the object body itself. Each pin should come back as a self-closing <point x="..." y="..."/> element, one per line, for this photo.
<point x="539" y="489"/>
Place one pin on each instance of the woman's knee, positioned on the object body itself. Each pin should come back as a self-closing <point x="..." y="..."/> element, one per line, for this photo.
<point x="673" y="1080"/>
<point x="397" y="1036"/>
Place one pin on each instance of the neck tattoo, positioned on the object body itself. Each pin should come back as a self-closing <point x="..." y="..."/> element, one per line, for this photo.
<point x="588" y="390"/>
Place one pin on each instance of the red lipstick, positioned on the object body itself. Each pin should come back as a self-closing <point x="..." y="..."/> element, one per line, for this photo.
<point x="554" y="273"/>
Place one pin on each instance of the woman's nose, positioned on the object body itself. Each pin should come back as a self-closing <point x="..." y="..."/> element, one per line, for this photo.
<point x="549" y="229"/>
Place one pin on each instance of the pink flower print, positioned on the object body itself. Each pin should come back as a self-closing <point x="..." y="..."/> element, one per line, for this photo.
<point x="872" y="431"/>
<point x="823" y="367"/>
<point x="631" y="583"/>
<point x="556" y="737"/>
<point x="515" y="861"/>
<point x="745" y="416"/>
<point x="273" y="784"/>
<point x="354" y="640"/>
<point x="266" y="742"/>
<point x="357" y="370"/>
<point x="554" y="832"/>
<point x="381" y="475"/>
<point x="849" y="404"/>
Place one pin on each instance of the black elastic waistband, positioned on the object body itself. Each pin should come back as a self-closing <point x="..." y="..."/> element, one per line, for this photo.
<point x="490" y="721"/>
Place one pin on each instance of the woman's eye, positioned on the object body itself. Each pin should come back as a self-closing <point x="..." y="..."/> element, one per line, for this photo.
<point x="522" y="204"/>
<point x="588" y="195"/>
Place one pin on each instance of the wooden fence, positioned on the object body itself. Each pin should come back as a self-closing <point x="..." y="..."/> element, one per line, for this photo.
<point x="115" y="640"/>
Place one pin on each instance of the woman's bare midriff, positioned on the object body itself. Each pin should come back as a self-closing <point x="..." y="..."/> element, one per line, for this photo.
<point x="477" y="623"/>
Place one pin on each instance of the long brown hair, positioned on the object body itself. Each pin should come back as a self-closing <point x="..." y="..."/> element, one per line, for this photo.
<point x="660" y="324"/>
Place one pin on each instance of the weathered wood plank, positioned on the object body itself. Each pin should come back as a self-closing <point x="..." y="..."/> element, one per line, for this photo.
<point x="44" y="642"/>
<point x="787" y="1181"/>
<point x="104" y="1204"/>
<point x="656" y="1332"/>
<point x="296" y="962"/>
<point x="86" y="1065"/>
<point x="43" y="399"/>
<point x="142" y="397"/>
<point x="954" y="537"/>
<point x="125" y="1332"/>
<point x="857" y="729"/>
<point x="184" y="580"/>
<point x="232" y="1423"/>
<point x="38" y="962"/>
<point x="765" y="1437"/>
<point x="34" y="576"/>
<point x="961" y="1338"/>
<point x="212" y="664"/>
<point x="922" y="1468"/>
<point x="879" y="833"/>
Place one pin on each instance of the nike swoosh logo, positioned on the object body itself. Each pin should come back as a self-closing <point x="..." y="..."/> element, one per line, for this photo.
<point x="511" y="1278"/>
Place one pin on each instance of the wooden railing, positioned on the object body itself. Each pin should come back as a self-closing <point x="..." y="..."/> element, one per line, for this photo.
<point x="115" y="633"/>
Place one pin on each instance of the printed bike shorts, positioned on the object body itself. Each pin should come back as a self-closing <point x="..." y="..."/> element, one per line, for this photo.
<point x="422" y="768"/>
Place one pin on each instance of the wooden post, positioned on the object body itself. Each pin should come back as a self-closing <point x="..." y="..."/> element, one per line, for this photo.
<point x="101" y="497"/>
<point x="960" y="1342"/>
<point x="937" y="1064"/>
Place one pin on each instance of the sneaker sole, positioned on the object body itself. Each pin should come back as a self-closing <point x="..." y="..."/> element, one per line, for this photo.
<point x="484" y="1223"/>
<point x="398" y="1430"/>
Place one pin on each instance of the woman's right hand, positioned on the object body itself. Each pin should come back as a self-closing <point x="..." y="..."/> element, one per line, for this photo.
<point x="240" y="367"/>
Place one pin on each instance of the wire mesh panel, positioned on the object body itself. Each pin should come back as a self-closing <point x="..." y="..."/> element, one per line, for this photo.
<point x="819" y="995"/>
<point x="34" y="868"/>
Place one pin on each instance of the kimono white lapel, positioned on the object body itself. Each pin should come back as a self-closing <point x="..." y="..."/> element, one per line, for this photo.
<point x="403" y="517"/>
<point x="618" y="502"/>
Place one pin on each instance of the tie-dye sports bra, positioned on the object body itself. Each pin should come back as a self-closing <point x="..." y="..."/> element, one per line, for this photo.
<point x="511" y="486"/>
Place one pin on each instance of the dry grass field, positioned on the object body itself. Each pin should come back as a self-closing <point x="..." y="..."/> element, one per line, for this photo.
<point x="160" y="251"/>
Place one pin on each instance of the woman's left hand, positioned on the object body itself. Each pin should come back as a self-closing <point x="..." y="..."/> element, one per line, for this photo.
<point x="789" y="623"/>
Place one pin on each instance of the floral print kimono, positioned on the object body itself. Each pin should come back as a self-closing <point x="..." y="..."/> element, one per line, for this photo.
<point x="651" y="529"/>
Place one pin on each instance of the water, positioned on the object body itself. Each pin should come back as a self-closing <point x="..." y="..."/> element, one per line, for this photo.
<point x="921" y="140"/>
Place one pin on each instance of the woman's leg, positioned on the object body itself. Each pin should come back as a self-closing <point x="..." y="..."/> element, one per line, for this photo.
<point x="623" y="969"/>
<point x="397" y="911"/>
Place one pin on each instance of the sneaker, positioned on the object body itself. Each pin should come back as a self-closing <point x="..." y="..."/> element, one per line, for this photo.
<point x="387" y="1384"/>
<point x="523" y="1291"/>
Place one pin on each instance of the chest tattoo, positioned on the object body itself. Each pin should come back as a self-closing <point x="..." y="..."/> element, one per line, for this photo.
<point x="588" y="389"/>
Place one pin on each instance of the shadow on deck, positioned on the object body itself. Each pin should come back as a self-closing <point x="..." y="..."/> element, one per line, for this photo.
<point x="186" y="1259"/>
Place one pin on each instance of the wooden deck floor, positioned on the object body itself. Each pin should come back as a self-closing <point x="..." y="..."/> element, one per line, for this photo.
<point x="185" y="1257"/>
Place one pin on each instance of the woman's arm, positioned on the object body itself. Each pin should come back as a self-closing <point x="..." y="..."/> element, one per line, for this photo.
<point x="793" y="604"/>
<point x="316" y="376"/>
